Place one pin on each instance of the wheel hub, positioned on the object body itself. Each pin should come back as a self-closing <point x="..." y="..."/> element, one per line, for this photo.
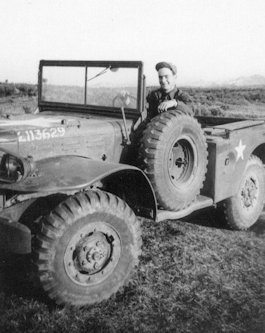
<point x="181" y="162"/>
<point x="92" y="253"/>
<point x="249" y="193"/>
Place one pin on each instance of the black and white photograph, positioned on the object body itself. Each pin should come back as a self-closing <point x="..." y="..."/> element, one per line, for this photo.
<point x="132" y="166"/>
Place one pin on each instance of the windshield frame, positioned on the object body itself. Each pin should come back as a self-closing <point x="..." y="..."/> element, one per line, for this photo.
<point x="88" y="108"/>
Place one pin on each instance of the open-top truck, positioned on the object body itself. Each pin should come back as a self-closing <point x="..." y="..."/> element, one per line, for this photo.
<point x="77" y="176"/>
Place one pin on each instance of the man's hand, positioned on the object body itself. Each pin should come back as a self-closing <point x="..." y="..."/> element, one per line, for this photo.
<point x="164" y="106"/>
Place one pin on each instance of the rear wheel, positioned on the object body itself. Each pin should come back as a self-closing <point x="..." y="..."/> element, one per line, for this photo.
<point x="243" y="209"/>
<point x="87" y="248"/>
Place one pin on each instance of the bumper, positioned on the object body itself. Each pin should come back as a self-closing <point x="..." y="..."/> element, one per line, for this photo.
<point x="14" y="237"/>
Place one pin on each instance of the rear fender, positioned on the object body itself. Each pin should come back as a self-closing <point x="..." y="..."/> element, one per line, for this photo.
<point x="228" y="157"/>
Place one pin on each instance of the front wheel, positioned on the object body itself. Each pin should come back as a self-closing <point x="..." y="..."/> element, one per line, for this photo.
<point x="244" y="208"/>
<point x="87" y="248"/>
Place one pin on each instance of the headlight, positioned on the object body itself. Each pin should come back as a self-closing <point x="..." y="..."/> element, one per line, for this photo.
<point x="13" y="168"/>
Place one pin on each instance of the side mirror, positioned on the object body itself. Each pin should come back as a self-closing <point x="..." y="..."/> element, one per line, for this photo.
<point x="114" y="69"/>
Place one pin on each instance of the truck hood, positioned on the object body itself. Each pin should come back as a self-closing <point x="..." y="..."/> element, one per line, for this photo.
<point x="26" y="122"/>
<point x="46" y="135"/>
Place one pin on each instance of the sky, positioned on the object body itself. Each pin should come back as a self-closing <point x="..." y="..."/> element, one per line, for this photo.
<point x="208" y="40"/>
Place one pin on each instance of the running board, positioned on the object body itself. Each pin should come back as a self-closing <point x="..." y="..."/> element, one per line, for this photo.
<point x="199" y="203"/>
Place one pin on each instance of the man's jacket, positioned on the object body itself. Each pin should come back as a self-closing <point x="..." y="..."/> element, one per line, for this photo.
<point x="155" y="97"/>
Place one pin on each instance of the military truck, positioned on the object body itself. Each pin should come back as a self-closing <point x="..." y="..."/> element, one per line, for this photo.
<point x="77" y="176"/>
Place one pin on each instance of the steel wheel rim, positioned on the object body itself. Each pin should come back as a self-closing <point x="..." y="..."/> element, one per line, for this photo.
<point x="182" y="161"/>
<point x="249" y="193"/>
<point x="92" y="254"/>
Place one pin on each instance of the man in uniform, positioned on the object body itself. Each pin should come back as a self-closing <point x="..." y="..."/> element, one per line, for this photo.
<point x="168" y="96"/>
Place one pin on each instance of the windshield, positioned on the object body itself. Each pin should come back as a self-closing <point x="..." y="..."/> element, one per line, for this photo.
<point x="100" y="85"/>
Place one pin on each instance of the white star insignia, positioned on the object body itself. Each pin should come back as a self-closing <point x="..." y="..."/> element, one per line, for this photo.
<point x="240" y="150"/>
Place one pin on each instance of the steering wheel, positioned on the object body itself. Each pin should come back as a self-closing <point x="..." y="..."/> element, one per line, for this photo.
<point x="124" y="96"/>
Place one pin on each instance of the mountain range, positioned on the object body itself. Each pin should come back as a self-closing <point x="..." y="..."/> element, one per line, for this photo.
<point x="242" y="81"/>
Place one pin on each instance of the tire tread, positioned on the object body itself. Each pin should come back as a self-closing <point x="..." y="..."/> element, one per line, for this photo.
<point x="54" y="225"/>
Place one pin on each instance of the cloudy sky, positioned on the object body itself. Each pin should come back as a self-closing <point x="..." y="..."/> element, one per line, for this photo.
<point x="209" y="40"/>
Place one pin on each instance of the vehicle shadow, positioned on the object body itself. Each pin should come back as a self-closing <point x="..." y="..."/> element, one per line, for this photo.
<point x="208" y="217"/>
<point x="259" y="227"/>
<point x="17" y="277"/>
<point x="214" y="218"/>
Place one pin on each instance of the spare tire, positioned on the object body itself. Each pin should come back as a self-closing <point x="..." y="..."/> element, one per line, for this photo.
<point x="173" y="154"/>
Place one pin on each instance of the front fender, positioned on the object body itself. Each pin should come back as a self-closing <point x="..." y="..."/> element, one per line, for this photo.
<point x="74" y="173"/>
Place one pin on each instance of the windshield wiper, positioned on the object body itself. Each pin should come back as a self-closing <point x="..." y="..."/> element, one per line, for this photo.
<point x="100" y="73"/>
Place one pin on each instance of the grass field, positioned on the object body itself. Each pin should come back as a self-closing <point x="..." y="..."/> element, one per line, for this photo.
<point x="195" y="275"/>
<point x="224" y="102"/>
<point x="17" y="105"/>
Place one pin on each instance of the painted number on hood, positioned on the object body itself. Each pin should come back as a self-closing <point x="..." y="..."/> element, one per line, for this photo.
<point x="41" y="134"/>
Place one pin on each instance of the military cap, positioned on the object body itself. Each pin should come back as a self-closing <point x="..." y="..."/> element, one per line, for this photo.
<point x="164" y="64"/>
